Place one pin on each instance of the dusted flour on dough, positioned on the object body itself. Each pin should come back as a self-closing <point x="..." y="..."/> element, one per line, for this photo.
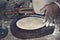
<point x="30" y="23"/>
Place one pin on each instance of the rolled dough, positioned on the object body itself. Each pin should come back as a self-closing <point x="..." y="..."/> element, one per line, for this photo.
<point x="30" y="23"/>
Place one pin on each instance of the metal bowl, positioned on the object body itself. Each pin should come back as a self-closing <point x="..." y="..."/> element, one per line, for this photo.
<point x="3" y="32"/>
<point x="26" y="34"/>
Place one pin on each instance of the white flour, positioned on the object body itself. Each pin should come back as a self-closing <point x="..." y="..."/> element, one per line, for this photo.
<point x="30" y="23"/>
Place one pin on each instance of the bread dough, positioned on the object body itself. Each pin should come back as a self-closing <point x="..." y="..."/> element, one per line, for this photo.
<point x="38" y="4"/>
<point x="30" y="23"/>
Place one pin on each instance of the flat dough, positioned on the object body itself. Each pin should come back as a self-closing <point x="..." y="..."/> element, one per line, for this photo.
<point x="38" y="4"/>
<point x="30" y="23"/>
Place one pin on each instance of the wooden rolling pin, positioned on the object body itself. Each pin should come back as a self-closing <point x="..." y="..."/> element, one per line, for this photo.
<point x="25" y="8"/>
<point x="21" y="11"/>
